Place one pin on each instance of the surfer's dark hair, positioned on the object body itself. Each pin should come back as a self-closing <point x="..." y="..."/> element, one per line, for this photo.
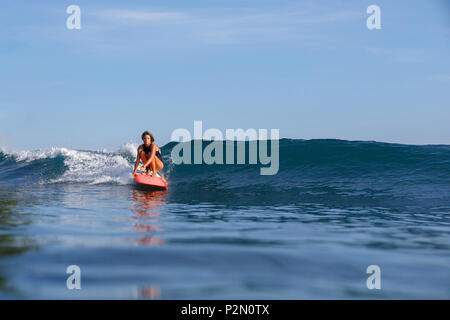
<point x="146" y="133"/>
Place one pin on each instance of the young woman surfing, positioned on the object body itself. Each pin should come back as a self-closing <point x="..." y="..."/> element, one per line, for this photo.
<point x="150" y="155"/>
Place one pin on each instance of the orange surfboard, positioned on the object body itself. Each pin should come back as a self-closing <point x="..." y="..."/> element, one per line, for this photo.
<point x="147" y="180"/>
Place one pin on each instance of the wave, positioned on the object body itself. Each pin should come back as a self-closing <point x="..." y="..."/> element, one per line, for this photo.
<point x="335" y="171"/>
<point x="58" y="165"/>
<point x="313" y="165"/>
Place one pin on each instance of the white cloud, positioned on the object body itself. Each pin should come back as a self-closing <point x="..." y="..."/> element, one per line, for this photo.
<point x="232" y="26"/>
<point x="230" y="17"/>
<point x="143" y="16"/>
<point x="221" y="25"/>
<point x="398" y="54"/>
<point x="107" y="32"/>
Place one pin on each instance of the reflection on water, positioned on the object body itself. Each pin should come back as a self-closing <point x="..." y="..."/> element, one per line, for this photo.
<point x="147" y="204"/>
<point x="150" y="292"/>
<point x="11" y="219"/>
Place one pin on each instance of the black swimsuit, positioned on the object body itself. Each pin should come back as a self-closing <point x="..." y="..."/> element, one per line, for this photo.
<point x="148" y="149"/>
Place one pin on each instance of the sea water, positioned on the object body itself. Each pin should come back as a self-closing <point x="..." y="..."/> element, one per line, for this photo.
<point x="311" y="231"/>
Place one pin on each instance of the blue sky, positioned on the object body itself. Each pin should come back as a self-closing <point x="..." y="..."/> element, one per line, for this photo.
<point x="309" y="68"/>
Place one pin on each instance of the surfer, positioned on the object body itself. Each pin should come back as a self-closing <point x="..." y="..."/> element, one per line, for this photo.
<point x="150" y="155"/>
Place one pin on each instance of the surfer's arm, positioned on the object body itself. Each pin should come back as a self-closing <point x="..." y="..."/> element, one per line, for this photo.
<point x="138" y="159"/>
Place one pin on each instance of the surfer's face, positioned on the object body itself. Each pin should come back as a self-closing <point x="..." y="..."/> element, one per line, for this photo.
<point x="146" y="140"/>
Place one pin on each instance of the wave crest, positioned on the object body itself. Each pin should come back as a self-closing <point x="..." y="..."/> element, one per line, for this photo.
<point x="302" y="163"/>
<point x="58" y="165"/>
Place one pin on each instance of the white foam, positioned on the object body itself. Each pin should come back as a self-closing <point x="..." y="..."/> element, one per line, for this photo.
<point x="128" y="148"/>
<point x="95" y="168"/>
<point x="92" y="167"/>
<point x="28" y="156"/>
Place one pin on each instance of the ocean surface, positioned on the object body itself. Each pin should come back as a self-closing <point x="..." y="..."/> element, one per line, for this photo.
<point x="225" y="231"/>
